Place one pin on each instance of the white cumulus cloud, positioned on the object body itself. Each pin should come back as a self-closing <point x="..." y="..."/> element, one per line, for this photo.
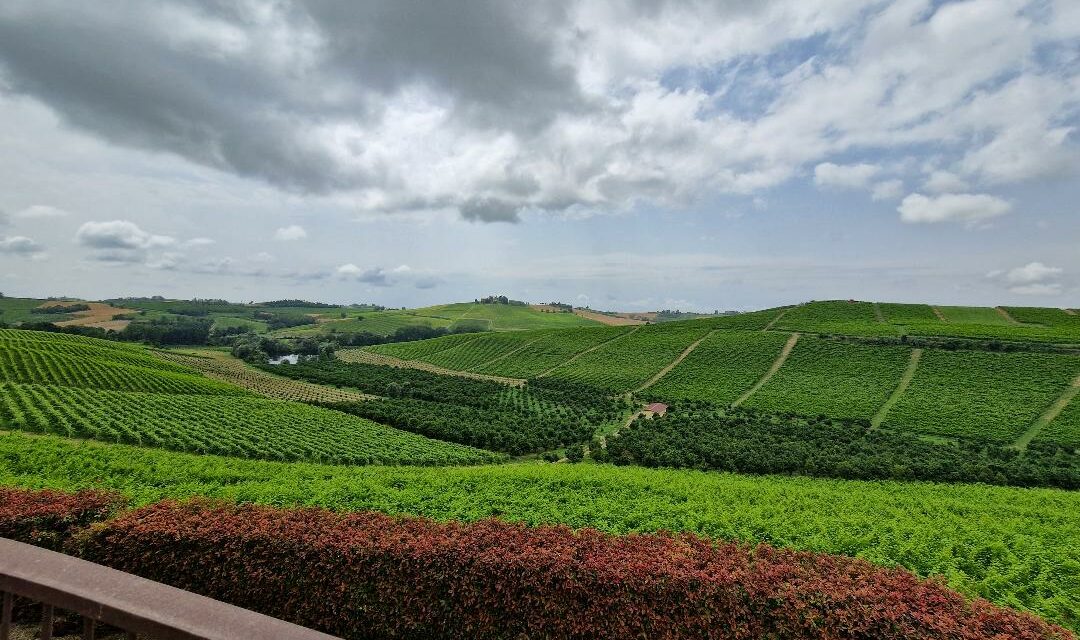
<point x="962" y="207"/>
<point x="291" y="232"/>
<point x="844" y="176"/>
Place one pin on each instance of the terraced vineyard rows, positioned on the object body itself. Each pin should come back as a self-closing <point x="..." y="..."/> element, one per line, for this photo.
<point x="624" y="364"/>
<point x="48" y="367"/>
<point x="834" y="317"/>
<point x="1045" y="316"/>
<point x="1064" y="430"/>
<point x="363" y="356"/>
<point x="721" y="368"/>
<point x="976" y="394"/>
<point x="63" y="345"/>
<point x="484" y="348"/>
<point x="422" y="349"/>
<point x="221" y="366"/>
<point x="837" y="379"/>
<point x="230" y="425"/>
<point x="553" y="350"/>
<point x="896" y="313"/>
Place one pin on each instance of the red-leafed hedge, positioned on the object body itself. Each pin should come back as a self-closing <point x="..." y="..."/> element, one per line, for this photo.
<point x="369" y="575"/>
<point x="49" y="518"/>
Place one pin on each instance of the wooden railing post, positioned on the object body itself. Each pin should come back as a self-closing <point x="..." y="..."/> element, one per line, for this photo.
<point x="46" y="621"/>
<point x="5" y="616"/>
<point x="89" y="628"/>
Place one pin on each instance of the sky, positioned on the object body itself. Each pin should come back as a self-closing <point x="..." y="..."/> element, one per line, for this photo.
<point x="727" y="154"/>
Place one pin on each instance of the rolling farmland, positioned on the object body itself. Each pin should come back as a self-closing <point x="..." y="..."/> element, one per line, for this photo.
<point x="721" y="368"/>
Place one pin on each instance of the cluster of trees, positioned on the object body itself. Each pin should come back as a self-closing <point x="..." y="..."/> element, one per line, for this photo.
<point x="277" y="320"/>
<point x="168" y="331"/>
<point x="299" y="303"/>
<point x="499" y="300"/>
<point x="953" y="344"/>
<point x="258" y="349"/>
<point x="562" y="306"/>
<point x="500" y="428"/>
<point x="407" y="333"/>
<point x="546" y="414"/>
<point x="63" y="308"/>
<point x="700" y="436"/>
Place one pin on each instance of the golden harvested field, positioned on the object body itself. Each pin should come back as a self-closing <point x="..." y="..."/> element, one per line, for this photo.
<point x="99" y="315"/>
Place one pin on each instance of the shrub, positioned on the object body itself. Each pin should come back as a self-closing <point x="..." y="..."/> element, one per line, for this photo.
<point x="369" y="575"/>
<point x="50" y="518"/>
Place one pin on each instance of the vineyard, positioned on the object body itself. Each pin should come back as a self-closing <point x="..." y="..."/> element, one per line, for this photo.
<point x="480" y="413"/>
<point x="229" y="425"/>
<point x="823" y="377"/>
<point x="220" y="366"/>
<point x="981" y="395"/>
<point x="623" y="364"/>
<point x="722" y="367"/>
<point x="1016" y="547"/>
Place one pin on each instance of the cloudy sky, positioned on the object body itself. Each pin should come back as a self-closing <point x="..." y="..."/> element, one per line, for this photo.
<point x="632" y="155"/>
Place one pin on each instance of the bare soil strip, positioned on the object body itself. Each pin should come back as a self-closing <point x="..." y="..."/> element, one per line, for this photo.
<point x="779" y="362"/>
<point x="878" y="314"/>
<point x="99" y="315"/>
<point x="674" y="363"/>
<point x="589" y="350"/>
<point x="1048" y="416"/>
<point x="504" y="356"/>
<point x="367" y="357"/>
<point x="775" y="320"/>
<point x="1071" y="312"/>
<point x="939" y="314"/>
<point x="1005" y="314"/>
<point x="905" y="380"/>
<point x="602" y="318"/>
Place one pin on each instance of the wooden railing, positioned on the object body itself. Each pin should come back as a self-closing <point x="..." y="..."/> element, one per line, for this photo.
<point x="138" y="606"/>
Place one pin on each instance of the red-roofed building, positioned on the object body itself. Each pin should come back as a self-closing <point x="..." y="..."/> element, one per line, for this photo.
<point x="656" y="408"/>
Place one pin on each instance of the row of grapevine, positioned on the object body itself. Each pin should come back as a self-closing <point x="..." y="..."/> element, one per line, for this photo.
<point x="897" y="313"/>
<point x="721" y="368"/>
<point x="978" y="394"/>
<point x="552" y="350"/>
<point x="422" y="349"/>
<point x="227" y="425"/>
<point x="486" y="347"/>
<point x="1019" y="547"/>
<point x="1045" y="316"/>
<point x="623" y="364"/>
<point x="49" y="367"/>
<point x="832" y="378"/>
<point x="15" y="340"/>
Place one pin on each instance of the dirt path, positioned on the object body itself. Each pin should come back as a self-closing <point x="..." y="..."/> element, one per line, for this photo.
<point x="99" y="315"/>
<point x="674" y="363"/>
<point x="939" y="314"/>
<point x="775" y="320"/>
<point x="603" y="318"/>
<point x="1005" y="314"/>
<point x="878" y="314"/>
<point x="589" y="350"/>
<point x="1071" y="312"/>
<point x="503" y="356"/>
<point x="367" y="357"/>
<point x="1048" y="416"/>
<point x="779" y="362"/>
<point x="905" y="381"/>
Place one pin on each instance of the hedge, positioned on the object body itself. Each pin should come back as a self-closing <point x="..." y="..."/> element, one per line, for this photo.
<point x="369" y="575"/>
<point x="50" y="518"/>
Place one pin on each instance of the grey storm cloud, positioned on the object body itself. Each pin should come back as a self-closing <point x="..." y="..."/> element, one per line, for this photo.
<point x="250" y="88"/>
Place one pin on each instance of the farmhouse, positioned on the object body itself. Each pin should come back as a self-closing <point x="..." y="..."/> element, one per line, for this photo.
<point x="656" y="408"/>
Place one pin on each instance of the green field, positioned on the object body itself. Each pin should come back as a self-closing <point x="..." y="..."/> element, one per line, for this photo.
<point x="14" y="311"/>
<point x="823" y="377"/>
<point x="623" y="364"/>
<point x="995" y="396"/>
<point x="1016" y="547"/>
<point x="722" y="367"/>
<point x="87" y="388"/>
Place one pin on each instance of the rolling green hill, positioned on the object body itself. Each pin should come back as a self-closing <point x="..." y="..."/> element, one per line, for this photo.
<point x="86" y="388"/>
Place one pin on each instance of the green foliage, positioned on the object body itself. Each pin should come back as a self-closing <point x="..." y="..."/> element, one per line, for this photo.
<point x="980" y="395"/>
<point x="1044" y="316"/>
<point x="896" y="313"/>
<point x="623" y="364"/>
<point x="228" y="425"/>
<point x="550" y="350"/>
<point x="840" y="380"/>
<point x="474" y="412"/>
<point x="721" y="368"/>
<point x="973" y="315"/>
<point x="701" y="436"/>
<point x="1064" y="430"/>
<point x="76" y="347"/>
<point x="1016" y="547"/>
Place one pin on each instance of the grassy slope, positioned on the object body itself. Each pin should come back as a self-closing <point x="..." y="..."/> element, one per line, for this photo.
<point x="1018" y="547"/>
<point x="722" y="367"/>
